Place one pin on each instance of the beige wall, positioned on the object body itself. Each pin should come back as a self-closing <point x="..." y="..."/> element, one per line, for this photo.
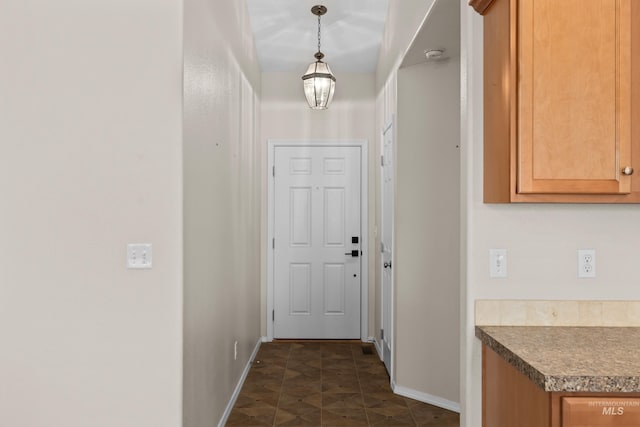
<point x="542" y="240"/>
<point x="426" y="258"/>
<point x="90" y="160"/>
<point x="221" y="205"/>
<point x="426" y="278"/>
<point x="403" y="22"/>
<point x="286" y="115"/>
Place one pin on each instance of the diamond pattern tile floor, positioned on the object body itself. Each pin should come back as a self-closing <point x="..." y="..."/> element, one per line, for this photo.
<point x="328" y="384"/>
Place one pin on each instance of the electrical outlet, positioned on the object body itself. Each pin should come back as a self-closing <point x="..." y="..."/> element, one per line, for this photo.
<point x="497" y="263"/>
<point x="586" y="263"/>
<point x="235" y="350"/>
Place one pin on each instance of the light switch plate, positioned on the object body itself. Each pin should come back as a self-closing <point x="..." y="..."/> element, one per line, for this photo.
<point x="139" y="255"/>
<point x="497" y="263"/>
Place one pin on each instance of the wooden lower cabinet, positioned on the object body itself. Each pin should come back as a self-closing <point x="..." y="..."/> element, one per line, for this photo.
<point x="510" y="399"/>
<point x="598" y="411"/>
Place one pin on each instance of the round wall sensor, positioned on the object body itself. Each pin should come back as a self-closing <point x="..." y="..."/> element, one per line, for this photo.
<point x="434" y="54"/>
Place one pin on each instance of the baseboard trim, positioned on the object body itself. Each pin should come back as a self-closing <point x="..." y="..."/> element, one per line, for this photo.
<point x="378" y="348"/>
<point x="236" y="392"/>
<point x="426" y="398"/>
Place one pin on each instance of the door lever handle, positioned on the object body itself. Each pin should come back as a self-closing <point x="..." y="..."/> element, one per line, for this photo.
<point x="354" y="253"/>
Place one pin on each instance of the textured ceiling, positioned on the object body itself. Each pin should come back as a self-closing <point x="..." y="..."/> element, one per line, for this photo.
<point x="285" y="33"/>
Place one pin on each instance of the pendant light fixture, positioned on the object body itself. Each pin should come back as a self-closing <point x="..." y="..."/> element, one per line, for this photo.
<point x="319" y="82"/>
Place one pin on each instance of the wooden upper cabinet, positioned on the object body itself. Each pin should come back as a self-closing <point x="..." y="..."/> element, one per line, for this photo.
<point x="561" y="106"/>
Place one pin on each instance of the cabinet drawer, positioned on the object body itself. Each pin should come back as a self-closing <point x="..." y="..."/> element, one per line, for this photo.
<point x="600" y="412"/>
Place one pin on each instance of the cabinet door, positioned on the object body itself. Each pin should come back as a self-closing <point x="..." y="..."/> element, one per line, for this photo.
<point x="574" y="96"/>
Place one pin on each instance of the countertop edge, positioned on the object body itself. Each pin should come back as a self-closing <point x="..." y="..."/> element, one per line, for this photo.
<point x="513" y="359"/>
<point x="559" y="383"/>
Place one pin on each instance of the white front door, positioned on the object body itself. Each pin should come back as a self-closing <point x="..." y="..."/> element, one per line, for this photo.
<point x="386" y="240"/>
<point x="317" y="242"/>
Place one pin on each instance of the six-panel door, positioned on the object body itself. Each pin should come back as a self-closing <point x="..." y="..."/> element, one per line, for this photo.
<point x="317" y="242"/>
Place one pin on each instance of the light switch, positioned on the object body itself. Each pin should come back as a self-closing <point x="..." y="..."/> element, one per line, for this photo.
<point x="497" y="263"/>
<point x="139" y="255"/>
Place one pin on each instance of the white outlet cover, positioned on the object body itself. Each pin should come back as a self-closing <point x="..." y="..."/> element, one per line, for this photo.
<point x="586" y="263"/>
<point x="139" y="255"/>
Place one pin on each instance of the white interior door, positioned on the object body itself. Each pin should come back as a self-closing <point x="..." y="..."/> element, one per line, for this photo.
<point x="386" y="240"/>
<point x="317" y="242"/>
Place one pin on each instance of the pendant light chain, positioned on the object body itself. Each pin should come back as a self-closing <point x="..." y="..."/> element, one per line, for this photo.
<point x="318" y="33"/>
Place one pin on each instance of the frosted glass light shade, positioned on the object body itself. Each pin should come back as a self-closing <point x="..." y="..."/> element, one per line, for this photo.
<point x="319" y="85"/>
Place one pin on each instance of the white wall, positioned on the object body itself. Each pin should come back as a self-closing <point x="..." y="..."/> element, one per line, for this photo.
<point x="285" y="114"/>
<point x="542" y="240"/>
<point x="221" y="205"/>
<point x="403" y="21"/>
<point x="426" y="258"/>
<point x="90" y="160"/>
<point x="425" y="289"/>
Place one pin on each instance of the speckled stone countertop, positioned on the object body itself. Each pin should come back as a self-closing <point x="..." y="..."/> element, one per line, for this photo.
<point x="575" y="359"/>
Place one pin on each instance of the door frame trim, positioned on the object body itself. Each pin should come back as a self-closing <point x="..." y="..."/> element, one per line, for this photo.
<point x="363" y="144"/>
<point x="389" y="126"/>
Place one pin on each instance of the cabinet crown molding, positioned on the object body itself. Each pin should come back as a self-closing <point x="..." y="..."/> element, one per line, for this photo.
<point x="480" y="6"/>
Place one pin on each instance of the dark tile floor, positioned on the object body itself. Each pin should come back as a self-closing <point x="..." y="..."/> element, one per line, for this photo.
<point x="324" y="383"/>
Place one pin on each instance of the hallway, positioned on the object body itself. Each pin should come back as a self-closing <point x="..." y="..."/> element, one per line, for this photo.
<point x="326" y="384"/>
